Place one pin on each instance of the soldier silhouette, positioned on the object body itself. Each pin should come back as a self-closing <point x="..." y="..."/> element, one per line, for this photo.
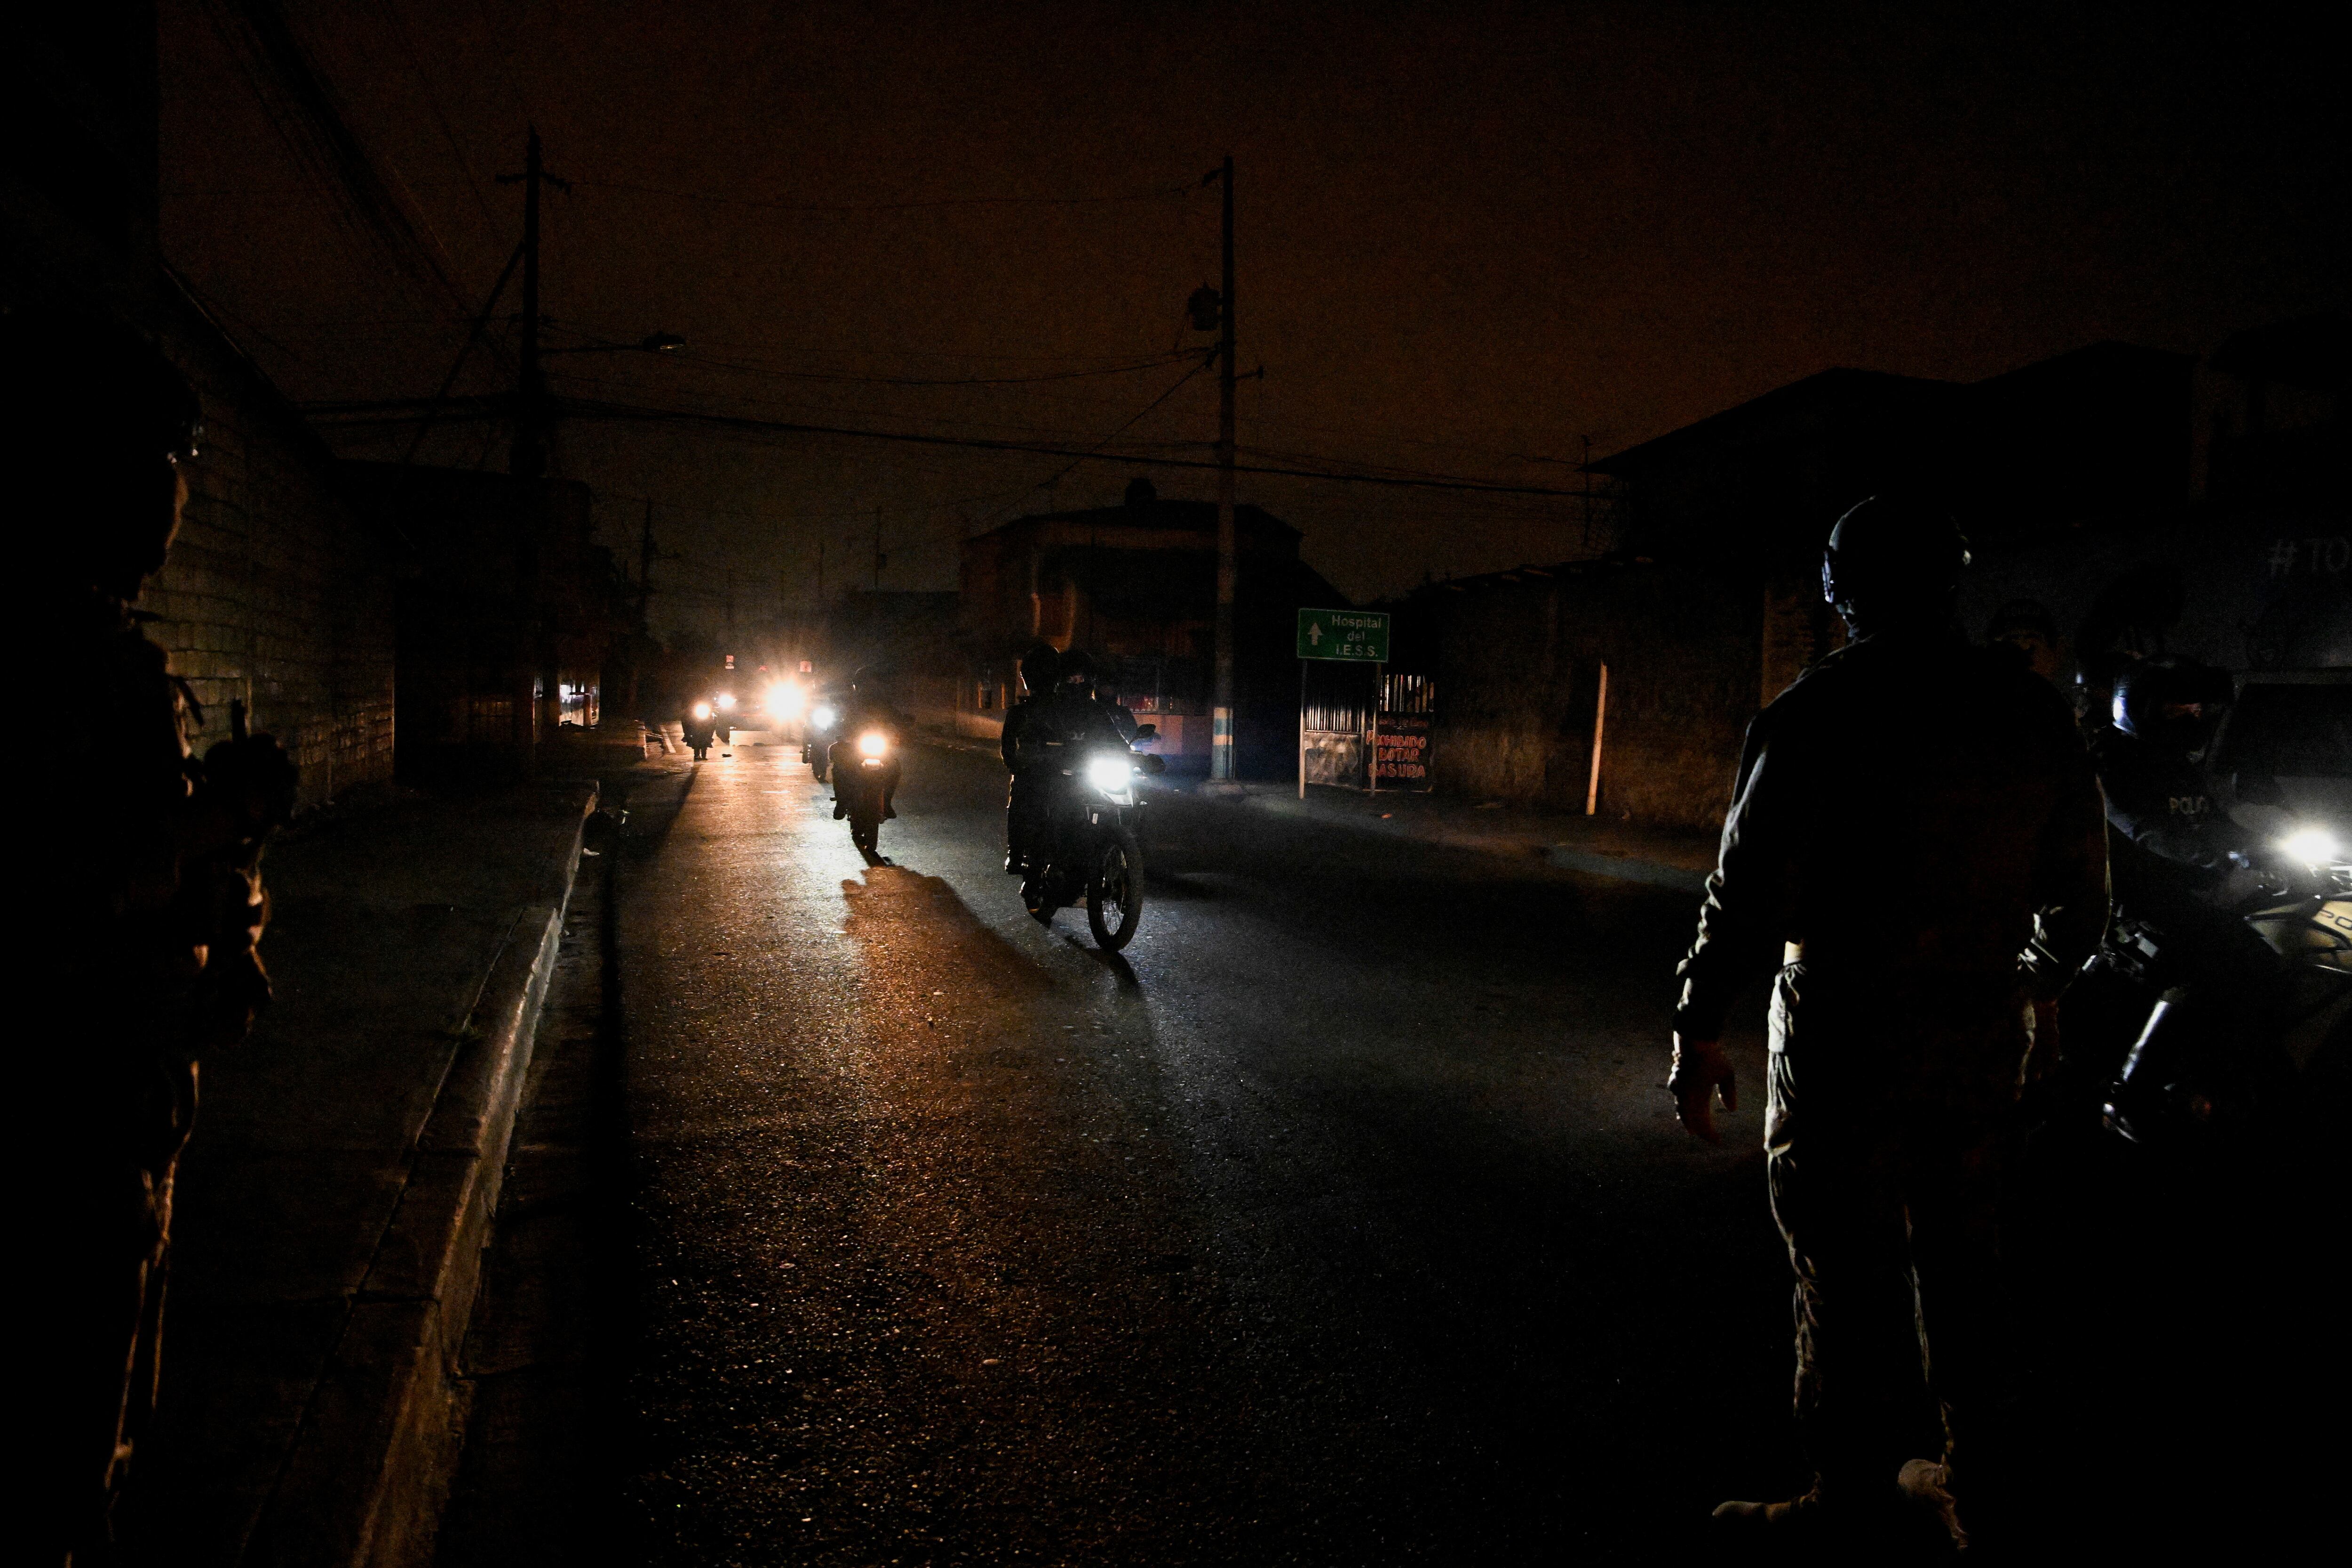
<point x="154" y="898"/>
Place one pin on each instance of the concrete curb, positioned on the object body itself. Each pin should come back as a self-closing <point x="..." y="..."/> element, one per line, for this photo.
<point x="369" y="1468"/>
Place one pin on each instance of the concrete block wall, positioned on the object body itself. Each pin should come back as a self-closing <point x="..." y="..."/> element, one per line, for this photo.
<point x="1519" y="684"/>
<point x="276" y="592"/>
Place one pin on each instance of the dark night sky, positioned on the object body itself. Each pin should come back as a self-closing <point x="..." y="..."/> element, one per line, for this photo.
<point x="1471" y="236"/>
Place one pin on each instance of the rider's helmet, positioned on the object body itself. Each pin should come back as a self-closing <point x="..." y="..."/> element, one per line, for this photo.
<point x="1891" y="558"/>
<point x="1039" y="665"/>
<point x="2174" y="703"/>
<point x="1076" y="671"/>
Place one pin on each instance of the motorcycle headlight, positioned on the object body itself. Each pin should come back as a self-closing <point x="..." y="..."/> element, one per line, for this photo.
<point x="1109" y="773"/>
<point x="826" y="715"/>
<point x="2312" y="846"/>
<point x="701" y="710"/>
<point x="725" y="702"/>
<point x="874" y="742"/>
<point x="784" y="699"/>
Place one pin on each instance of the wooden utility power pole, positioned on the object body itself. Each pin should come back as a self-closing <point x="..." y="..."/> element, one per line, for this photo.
<point x="1220" y="717"/>
<point x="528" y="457"/>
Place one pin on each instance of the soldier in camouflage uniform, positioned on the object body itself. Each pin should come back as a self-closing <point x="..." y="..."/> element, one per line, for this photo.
<point x="1916" y="847"/>
<point x="156" y="893"/>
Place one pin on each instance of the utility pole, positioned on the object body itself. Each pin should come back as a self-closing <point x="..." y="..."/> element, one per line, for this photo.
<point x="533" y="418"/>
<point x="1221" y="719"/>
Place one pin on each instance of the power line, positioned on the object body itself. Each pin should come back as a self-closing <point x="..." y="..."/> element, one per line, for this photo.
<point x="401" y="411"/>
<point x="1168" y="194"/>
<point x="581" y="409"/>
<point x="1066" y="471"/>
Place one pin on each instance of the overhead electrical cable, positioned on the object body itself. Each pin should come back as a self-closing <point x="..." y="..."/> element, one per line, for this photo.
<point x="401" y="411"/>
<point x="1175" y="192"/>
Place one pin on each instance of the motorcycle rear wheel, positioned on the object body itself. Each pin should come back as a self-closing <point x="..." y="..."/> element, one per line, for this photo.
<point x="1115" y="892"/>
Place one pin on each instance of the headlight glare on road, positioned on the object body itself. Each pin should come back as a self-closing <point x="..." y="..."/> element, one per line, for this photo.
<point x="874" y="742"/>
<point x="1111" y="773"/>
<point x="2312" y="846"/>
<point x="701" y="711"/>
<point x="725" y="702"/>
<point x="825" y="716"/>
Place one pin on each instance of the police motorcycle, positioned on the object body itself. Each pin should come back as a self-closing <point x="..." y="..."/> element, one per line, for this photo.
<point x="1094" y="847"/>
<point x="862" y="771"/>
<point x="2233" y="1023"/>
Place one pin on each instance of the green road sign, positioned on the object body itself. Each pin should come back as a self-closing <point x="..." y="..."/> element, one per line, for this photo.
<point x="1344" y="634"/>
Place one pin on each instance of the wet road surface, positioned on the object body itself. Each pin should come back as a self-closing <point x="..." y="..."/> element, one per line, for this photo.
<point x="1341" y="1220"/>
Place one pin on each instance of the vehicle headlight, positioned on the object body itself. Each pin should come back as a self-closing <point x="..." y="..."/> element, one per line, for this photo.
<point x="785" y="700"/>
<point x="874" y="742"/>
<point x="1109" y="773"/>
<point x="701" y="710"/>
<point x="725" y="702"/>
<point x="2312" y="846"/>
<point x="826" y="715"/>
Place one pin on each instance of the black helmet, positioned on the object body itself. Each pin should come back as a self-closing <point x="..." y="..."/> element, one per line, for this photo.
<point x="2173" y="702"/>
<point x="1892" y="552"/>
<point x="1038" y="666"/>
<point x="1077" y="668"/>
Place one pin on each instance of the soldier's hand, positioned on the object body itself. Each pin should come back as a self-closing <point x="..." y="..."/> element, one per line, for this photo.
<point x="254" y="780"/>
<point x="1701" y="1073"/>
<point x="2042" y="1058"/>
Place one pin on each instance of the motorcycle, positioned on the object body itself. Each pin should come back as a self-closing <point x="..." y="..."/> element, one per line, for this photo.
<point x="863" y="789"/>
<point x="700" y="725"/>
<point x="2228" y="1030"/>
<point x="725" y="718"/>
<point x="1095" y="848"/>
<point x="817" y="738"/>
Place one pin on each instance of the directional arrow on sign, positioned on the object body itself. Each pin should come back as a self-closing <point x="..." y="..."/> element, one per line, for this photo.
<point x="1315" y="635"/>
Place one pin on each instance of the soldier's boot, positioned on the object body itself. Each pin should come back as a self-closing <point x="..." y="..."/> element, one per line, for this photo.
<point x="1804" y="1528"/>
<point x="1925" y="1485"/>
<point x="1793" y="1518"/>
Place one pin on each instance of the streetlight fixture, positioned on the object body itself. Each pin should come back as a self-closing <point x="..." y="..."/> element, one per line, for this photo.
<point x="651" y="343"/>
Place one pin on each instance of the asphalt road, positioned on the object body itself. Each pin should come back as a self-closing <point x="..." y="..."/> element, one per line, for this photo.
<point x="1342" y="1219"/>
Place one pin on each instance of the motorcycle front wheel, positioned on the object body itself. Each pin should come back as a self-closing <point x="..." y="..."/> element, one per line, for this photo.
<point x="1115" y="891"/>
<point x="865" y="830"/>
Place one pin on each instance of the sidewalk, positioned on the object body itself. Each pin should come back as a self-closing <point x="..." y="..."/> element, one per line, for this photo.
<point x="1663" y="857"/>
<point x="332" y="1203"/>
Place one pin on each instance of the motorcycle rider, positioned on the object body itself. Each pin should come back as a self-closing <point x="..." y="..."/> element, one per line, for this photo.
<point x="2171" y="844"/>
<point x="1027" y="797"/>
<point x="1076" y="714"/>
<point x="1901" y="1028"/>
<point x="866" y="708"/>
<point x="697" y="725"/>
<point x="1068" y="719"/>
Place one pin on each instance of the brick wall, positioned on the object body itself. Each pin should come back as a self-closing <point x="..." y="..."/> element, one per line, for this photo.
<point x="276" y="592"/>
